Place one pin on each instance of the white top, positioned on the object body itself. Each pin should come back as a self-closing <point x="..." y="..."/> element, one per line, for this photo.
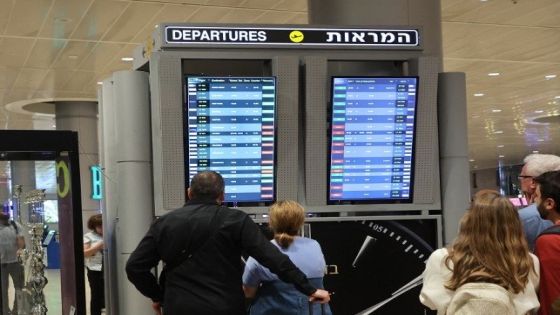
<point x="435" y="296"/>
<point x="8" y="243"/>
<point x="94" y="262"/>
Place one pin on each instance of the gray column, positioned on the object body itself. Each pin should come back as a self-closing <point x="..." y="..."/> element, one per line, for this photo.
<point x="135" y="212"/>
<point x="425" y="13"/>
<point x="4" y="189"/>
<point x="23" y="173"/>
<point x="454" y="160"/>
<point x="107" y="154"/>
<point x="82" y="117"/>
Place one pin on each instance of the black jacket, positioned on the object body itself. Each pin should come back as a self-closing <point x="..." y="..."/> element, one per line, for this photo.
<point x="208" y="282"/>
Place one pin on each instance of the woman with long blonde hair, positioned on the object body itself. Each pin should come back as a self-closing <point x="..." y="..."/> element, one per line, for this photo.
<point x="489" y="253"/>
<point x="271" y="295"/>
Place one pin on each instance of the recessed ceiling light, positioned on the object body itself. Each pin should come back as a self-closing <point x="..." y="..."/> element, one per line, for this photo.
<point x="540" y="140"/>
<point x="539" y="111"/>
<point x="557" y="97"/>
<point x="500" y="145"/>
<point x="73" y="57"/>
<point x="127" y="58"/>
<point x="535" y="151"/>
<point x="501" y="156"/>
<point x="99" y="83"/>
<point x="498" y="131"/>
<point x="472" y="160"/>
<point x="496" y="111"/>
<point x="478" y="94"/>
<point x="550" y="76"/>
<point x="53" y="126"/>
<point x="493" y="74"/>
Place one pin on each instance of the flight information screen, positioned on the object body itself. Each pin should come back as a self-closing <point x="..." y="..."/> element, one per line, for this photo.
<point x="372" y="139"/>
<point x="230" y="129"/>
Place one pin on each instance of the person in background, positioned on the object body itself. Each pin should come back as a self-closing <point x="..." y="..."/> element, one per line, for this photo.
<point x="93" y="252"/>
<point x="490" y="252"/>
<point x="273" y="296"/>
<point x="201" y="245"/>
<point x="535" y="165"/>
<point x="547" y="198"/>
<point x="11" y="243"/>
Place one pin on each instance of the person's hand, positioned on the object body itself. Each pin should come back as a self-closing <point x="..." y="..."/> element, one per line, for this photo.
<point x="98" y="245"/>
<point x="320" y="296"/>
<point x="157" y="307"/>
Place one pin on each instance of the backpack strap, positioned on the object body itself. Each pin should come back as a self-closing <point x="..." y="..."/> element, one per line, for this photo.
<point x="555" y="229"/>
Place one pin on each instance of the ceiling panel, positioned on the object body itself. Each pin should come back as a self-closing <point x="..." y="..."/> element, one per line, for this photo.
<point x="274" y="17"/>
<point x="29" y="78"/>
<point x="183" y="1"/>
<point x="99" y="18"/>
<point x="79" y="79"/>
<point x="241" y="16"/>
<point x="291" y="5"/>
<point x="170" y="13"/>
<point x="7" y="7"/>
<point x="73" y="54"/>
<point x="27" y="17"/>
<point x="116" y="63"/>
<point x="260" y="4"/>
<point x="55" y="79"/>
<point x="298" y="18"/>
<point x="494" y="42"/>
<point x="64" y="18"/>
<point x="225" y="3"/>
<point x="523" y="13"/>
<point x="8" y="76"/>
<point x="131" y="21"/>
<point x="100" y="56"/>
<point x="14" y="51"/>
<point x="208" y="15"/>
<point x="45" y="52"/>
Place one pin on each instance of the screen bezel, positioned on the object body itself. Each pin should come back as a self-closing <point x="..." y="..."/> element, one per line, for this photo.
<point x="185" y="126"/>
<point x="330" y="107"/>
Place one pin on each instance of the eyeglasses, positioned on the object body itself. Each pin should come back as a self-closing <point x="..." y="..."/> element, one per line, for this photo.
<point x="524" y="176"/>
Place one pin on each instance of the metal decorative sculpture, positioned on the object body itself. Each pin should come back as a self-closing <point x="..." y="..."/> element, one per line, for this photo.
<point x="33" y="256"/>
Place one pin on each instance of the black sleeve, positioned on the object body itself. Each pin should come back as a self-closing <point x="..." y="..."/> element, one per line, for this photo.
<point x="256" y="245"/>
<point x="139" y="266"/>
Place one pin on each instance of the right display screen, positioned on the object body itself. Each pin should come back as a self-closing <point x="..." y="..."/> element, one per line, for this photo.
<point x="372" y="139"/>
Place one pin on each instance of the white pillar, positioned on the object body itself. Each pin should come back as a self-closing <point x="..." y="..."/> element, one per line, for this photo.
<point x="82" y="117"/>
<point x="454" y="160"/>
<point x="131" y="100"/>
<point x="107" y="154"/>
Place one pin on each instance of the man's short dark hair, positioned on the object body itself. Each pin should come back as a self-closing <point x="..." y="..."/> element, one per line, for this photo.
<point x="207" y="185"/>
<point x="549" y="184"/>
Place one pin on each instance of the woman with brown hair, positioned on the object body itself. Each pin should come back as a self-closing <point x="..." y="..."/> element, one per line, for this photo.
<point x="273" y="296"/>
<point x="489" y="260"/>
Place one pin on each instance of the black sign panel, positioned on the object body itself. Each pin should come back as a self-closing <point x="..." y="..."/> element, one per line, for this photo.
<point x="292" y="37"/>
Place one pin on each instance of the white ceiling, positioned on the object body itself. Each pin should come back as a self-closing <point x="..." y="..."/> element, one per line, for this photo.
<point x="62" y="48"/>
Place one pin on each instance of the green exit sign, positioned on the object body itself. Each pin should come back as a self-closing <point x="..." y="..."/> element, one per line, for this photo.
<point x="96" y="182"/>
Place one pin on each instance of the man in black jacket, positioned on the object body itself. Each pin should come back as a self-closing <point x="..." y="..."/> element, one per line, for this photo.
<point x="201" y="245"/>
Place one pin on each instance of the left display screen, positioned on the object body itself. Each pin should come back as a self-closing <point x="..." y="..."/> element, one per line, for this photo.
<point x="230" y="128"/>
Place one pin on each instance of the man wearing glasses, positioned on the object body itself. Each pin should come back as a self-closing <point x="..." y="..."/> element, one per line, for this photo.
<point x="535" y="165"/>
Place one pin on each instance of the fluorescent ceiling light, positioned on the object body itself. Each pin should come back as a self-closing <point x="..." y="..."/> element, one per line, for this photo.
<point x="498" y="132"/>
<point x="550" y="76"/>
<point x="501" y="156"/>
<point x="127" y="58"/>
<point x="500" y="145"/>
<point x="478" y="94"/>
<point x="493" y="74"/>
<point x="496" y="111"/>
<point x="539" y="111"/>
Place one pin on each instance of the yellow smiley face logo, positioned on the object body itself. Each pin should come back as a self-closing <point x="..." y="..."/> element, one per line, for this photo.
<point x="296" y="36"/>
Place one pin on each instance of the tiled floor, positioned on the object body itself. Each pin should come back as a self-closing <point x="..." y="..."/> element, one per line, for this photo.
<point x="52" y="292"/>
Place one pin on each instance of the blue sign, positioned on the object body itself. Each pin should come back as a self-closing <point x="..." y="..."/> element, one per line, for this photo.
<point x="96" y="182"/>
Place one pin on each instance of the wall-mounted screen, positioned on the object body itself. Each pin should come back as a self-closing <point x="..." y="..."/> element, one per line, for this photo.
<point x="372" y="139"/>
<point x="230" y="129"/>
